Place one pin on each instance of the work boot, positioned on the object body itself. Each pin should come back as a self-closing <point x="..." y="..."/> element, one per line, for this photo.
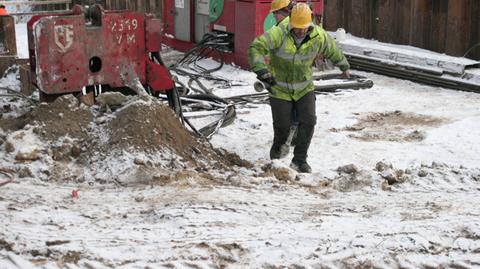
<point x="301" y="166"/>
<point x="275" y="152"/>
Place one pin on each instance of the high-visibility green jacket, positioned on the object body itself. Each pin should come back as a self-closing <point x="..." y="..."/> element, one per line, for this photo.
<point x="284" y="22"/>
<point x="291" y="66"/>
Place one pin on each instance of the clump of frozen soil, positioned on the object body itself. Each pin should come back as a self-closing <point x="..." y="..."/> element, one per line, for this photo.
<point x="140" y="141"/>
<point x="351" y="178"/>
<point x="428" y="177"/>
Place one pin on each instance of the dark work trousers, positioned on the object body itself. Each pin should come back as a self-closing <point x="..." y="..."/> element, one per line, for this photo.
<point x="282" y="114"/>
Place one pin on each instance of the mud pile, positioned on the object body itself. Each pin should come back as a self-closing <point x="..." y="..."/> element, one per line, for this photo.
<point x="395" y="126"/>
<point x="128" y="141"/>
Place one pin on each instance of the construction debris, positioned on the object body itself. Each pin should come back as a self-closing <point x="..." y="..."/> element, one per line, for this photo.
<point x="413" y="64"/>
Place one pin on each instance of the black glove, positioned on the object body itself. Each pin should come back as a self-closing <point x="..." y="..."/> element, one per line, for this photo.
<point x="266" y="77"/>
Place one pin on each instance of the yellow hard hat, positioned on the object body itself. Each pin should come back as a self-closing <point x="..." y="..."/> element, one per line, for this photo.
<point x="279" y="4"/>
<point x="301" y="16"/>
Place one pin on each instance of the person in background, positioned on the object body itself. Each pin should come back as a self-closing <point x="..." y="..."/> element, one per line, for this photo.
<point x="281" y="11"/>
<point x="289" y="74"/>
<point x="3" y="11"/>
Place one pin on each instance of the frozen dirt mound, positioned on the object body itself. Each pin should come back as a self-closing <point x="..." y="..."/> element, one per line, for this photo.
<point x="63" y="117"/>
<point x="134" y="140"/>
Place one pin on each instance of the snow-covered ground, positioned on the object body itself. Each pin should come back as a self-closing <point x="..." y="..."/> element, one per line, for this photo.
<point x="428" y="217"/>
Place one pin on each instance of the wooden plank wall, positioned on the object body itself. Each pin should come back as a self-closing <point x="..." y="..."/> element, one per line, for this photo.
<point x="146" y="6"/>
<point x="446" y="26"/>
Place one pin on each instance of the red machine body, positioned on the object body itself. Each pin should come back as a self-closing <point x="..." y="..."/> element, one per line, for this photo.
<point x="68" y="54"/>
<point x="244" y="19"/>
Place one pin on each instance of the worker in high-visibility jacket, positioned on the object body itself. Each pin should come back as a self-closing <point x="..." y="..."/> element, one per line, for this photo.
<point x="3" y="11"/>
<point x="292" y="51"/>
<point x="281" y="11"/>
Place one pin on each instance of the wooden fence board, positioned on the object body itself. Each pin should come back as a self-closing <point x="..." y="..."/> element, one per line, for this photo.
<point x="420" y="23"/>
<point x="438" y="25"/>
<point x="458" y="27"/>
<point x="141" y="6"/>
<point x="333" y="17"/>
<point x="475" y="32"/>
<point x="361" y="19"/>
<point x="384" y="23"/>
<point x="403" y="26"/>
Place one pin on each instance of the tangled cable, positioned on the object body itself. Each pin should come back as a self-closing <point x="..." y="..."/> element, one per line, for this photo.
<point x="212" y="44"/>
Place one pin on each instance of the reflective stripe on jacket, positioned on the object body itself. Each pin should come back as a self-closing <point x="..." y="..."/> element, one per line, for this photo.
<point x="291" y="66"/>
